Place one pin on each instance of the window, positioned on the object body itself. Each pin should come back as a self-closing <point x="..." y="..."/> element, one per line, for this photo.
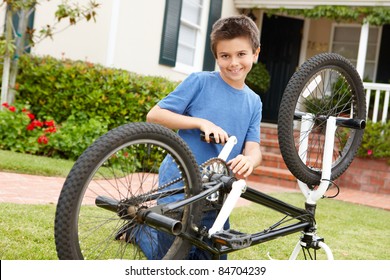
<point x="346" y="42"/>
<point x="190" y="39"/>
<point x="186" y="23"/>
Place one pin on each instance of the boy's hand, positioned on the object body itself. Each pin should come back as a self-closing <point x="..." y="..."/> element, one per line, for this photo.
<point x="219" y="134"/>
<point x="241" y="165"/>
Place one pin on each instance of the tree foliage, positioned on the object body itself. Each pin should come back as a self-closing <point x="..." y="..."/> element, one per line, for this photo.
<point x="17" y="39"/>
<point x="373" y="15"/>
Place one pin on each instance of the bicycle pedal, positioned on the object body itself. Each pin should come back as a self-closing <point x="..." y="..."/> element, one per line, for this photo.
<point x="232" y="239"/>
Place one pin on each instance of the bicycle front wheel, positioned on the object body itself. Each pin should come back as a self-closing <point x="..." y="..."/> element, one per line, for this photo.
<point x="325" y="85"/>
<point x="114" y="179"/>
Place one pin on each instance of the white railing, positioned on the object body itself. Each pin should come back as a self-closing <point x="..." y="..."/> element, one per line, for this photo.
<point x="379" y="90"/>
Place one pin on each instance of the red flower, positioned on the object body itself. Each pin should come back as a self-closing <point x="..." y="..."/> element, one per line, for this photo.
<point x="37" y="123"/>
<point x="30" y="126"/>
<point x="33" y="124"/>
<point x="5" y="104"/>
<point x="12" y="108"/>
<point x="43" y="139"/>
<point x="51" y="129"/>
<point x="49" y="123"/>
<point x="31" y="116"/>
<point x="370" y="152"/>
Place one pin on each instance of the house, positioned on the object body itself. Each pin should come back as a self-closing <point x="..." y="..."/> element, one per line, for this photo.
<point x="170" y="38"/>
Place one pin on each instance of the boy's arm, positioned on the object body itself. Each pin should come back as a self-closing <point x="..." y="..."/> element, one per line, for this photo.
<point x="243" y="165"/>
<point x="173" y="120"/>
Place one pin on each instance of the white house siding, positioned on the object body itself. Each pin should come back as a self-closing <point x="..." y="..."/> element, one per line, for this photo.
<point x="131" y="43"/>
<point x="84" y="41"/>
<point x="228" y="8"/>
<point x="127" y="34"/>
<point x="136" y="34"/>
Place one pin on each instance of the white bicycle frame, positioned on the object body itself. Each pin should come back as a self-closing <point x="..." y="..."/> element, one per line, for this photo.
<point x="312" y="196"/>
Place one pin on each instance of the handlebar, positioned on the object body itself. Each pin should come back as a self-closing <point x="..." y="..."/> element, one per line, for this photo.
<point x="203" y="137"/>
<point x="353" y="123"/>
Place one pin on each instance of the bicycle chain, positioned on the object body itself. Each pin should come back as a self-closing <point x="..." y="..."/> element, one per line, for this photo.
<point x="205" y="173"/>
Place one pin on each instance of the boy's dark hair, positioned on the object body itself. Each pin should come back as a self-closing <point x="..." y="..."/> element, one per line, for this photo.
<point x="233" y="27"/>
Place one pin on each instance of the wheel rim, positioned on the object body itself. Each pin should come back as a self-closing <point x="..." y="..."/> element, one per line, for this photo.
<point x="329" y="92"/>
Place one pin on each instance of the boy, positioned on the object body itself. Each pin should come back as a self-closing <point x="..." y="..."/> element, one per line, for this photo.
<point x="219" y="103"/>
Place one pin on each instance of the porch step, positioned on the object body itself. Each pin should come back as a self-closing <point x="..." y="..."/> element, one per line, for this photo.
<point x="273" y="176"/>
<point x="273" y="160"/>
<point x="273" y="170"/>
<point x="270" y="145"/>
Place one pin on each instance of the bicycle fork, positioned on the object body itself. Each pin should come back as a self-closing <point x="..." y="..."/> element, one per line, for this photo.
<point x="310" y="239"/>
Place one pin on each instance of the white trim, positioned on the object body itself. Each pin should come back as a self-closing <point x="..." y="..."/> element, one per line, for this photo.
<point x="190" y="24"/>
<point x="378" y="49"/>
<point x="112" y="36"/>
<point x="303" y="4"/>
<point x="200" y="43"/>
<point x="260" y="25"/>
<point x="362" y="52"/>
<point x="305" y="39"/>
<point x="378" y="89"/>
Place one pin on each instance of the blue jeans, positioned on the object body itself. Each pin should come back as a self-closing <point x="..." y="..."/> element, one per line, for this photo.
<point x="155" y="243"/>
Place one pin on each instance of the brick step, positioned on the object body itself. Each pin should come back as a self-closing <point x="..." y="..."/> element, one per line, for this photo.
<point x="270" y="145"/>
<point x="273" y="170"/>
<point x="273" y="160"/>
<point x="273" y="176"/>
<point x="269" y="133"/>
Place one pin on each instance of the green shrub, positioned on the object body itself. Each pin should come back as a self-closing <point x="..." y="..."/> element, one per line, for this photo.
<point x="63" y="88"/>
<point x="258" y="79"/>
<point x="21" y="131"/>
<point x="74" y="136"/>
<point x="85" y="99"/>
<point x="376" y="140"/>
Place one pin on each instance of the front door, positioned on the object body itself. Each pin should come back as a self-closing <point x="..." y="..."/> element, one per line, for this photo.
<point x="280" y="47"/>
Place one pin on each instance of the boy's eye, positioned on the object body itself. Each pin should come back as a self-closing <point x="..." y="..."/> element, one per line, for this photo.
<point x="242" y="54"/>
<point x="224" y="56"/>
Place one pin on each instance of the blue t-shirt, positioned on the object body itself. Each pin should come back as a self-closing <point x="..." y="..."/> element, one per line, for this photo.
<point x="206" y="95"/>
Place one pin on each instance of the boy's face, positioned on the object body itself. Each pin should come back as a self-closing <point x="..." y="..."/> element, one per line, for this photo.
<point x="235" y="58"/>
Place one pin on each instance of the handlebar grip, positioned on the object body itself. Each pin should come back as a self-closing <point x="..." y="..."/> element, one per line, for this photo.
<point x="203" y="137"/>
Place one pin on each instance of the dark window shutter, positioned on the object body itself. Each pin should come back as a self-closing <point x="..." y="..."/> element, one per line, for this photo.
<point x="214" y="15"/>
<point x="170" y="34"/>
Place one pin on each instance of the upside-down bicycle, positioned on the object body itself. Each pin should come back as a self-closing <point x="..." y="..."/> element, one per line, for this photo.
<point x="112" y="196"/>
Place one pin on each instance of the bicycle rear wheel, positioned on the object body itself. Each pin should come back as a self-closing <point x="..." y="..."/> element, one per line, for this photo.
<point x="114" y="179"/>
<point x="325" y="85"/>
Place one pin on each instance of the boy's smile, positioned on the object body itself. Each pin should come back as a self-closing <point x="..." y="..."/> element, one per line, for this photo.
<point x="235" y="58"/>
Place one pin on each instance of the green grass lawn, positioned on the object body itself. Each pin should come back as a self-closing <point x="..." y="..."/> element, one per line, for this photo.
<point x="353" y="232"/>
<point x="35" y="165"/>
